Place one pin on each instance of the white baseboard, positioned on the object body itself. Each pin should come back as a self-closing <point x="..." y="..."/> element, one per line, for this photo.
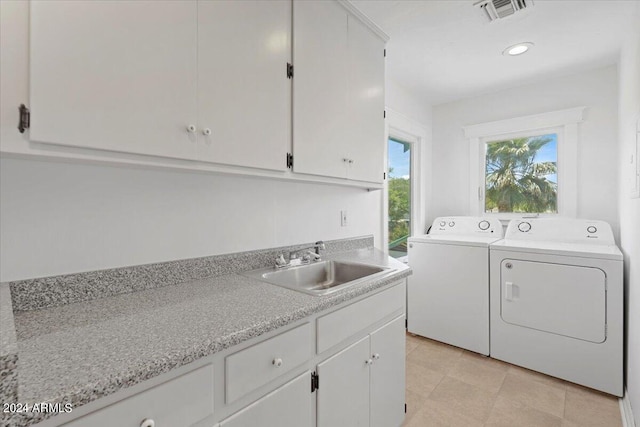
<point x="625" y="411"/>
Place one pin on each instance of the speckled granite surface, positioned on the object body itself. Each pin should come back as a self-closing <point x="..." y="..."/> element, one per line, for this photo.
<point x="35" y="294"/>
<point x="80" y="352"/>
<point x="8" y="352"/>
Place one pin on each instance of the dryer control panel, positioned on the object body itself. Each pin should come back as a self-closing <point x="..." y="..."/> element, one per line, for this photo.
<point x="567" y="230"/>
<point x="467" y="225"/>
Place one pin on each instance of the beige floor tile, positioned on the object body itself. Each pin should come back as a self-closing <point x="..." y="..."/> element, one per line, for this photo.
<point x="411" y="343"/>
<point x="421" y="380"/>
<point x="415" y="402"/>
<point x="480" y="371"/>
<point x="494" y="363"/>
<point x="435" y="414"/>
<point x="509" y="413"/>
<point x="435" y="356"/>
<point x="536" y="394"/>
<point x="461" y="398"/>
<point x="591" y="409"/>
<point x="537" y="376"/>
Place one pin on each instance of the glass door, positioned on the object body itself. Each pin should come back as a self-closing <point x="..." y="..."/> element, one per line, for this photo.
<point x="399" y="187"/>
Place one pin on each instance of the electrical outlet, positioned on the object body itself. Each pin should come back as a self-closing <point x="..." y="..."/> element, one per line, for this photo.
<point x="343" y="218"/>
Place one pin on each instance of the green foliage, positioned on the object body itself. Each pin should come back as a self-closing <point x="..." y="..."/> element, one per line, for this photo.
<point x="399" y="207"/>
<point x="515" y="182"/>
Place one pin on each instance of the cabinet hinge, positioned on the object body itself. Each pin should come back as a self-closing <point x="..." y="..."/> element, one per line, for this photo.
<point x="289" y="70"/>
<point x="289" y="160"/>
<point x="384" y="114"/>
<point x="406" y="323"/>
<point x="384" y="53"/>
<point x="315" y="382"/>
<point x="405" y="408"/>
<point x="384" y="175"/>
<point x="25" y="118"/>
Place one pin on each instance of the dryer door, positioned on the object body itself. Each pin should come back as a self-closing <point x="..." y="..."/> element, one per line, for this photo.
<point x="567" y="300"/>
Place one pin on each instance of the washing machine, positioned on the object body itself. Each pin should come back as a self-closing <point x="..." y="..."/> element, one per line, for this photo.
<point x="557" y="301"/>
<point x="448" y="293"/>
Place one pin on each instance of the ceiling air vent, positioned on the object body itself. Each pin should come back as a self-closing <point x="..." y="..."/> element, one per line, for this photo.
<point x="498" y="9"/>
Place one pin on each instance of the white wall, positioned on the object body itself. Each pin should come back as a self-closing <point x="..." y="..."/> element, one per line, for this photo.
<point x="597" y="145"/>
<point x="61" y="218"/>
<point x="629" y="113"/>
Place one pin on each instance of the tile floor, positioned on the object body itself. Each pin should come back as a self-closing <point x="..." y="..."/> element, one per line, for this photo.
<point x="448" y="386"/>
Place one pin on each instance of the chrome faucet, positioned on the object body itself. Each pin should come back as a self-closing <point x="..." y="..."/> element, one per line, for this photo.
<point x="301" y="256"/>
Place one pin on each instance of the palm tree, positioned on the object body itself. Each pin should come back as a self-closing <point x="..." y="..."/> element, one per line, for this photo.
<point x="515" y="182"/>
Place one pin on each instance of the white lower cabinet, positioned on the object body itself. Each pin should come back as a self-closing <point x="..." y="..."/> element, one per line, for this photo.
<point x="180" y="402"/>
<point x="343" y="395"/>
<point x="288" y="406"/>
<point x="359" y="361"/>
<point x="363" y="385"/>
<point x="388" y="374"/>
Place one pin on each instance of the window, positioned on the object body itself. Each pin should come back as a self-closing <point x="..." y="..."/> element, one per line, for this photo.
<point x="525" y="165"/>
<point x="399" y="188"/>
<point x="521" y="174"/>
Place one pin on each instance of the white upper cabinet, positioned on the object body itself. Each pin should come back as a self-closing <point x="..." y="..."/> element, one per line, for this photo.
<point x="244" y="95"/>
<point x="338" y="94"/>
<point x="366" y="144"/>
<point x="193" y="80"/>
<point x="209" y="81"/>
<point x="115" y="75"/>
<point x="320" y="88"/>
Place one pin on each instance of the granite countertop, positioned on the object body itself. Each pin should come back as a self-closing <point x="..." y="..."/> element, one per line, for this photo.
<point x="77" y="353"/>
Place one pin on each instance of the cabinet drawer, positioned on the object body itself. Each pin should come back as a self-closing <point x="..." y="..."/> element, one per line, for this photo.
<point x="180" y="402"/>
<point x="255" y="366"/>
<point x="341" y="324"/>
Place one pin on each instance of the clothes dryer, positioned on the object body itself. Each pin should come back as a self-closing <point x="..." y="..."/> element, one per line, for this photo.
<point x="448" y="293"/>
<point x="557" y="301"/>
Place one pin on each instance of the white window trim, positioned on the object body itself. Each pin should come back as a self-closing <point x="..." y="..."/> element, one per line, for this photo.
<point x="405" y="129"/>
<point x="565" y="123"/>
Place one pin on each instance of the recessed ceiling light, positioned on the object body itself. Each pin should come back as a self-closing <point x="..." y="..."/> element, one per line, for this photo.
<point x="517" y="49"/>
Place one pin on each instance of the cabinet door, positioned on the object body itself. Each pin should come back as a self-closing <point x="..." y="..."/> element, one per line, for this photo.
<point x="343" y="393"/>
<point x="320" y="88"/>
<point x="115" y="75"/>
<point x="244" y="95"/>
<point x="288" y="406"/>
<point x="366" y="103"/>
<point x="387" y="374"/>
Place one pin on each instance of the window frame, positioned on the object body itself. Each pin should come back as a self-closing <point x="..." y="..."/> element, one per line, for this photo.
<point x="563" y="122"/>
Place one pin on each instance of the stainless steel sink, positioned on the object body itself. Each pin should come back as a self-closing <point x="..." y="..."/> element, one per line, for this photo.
<point x="319" y="278"/>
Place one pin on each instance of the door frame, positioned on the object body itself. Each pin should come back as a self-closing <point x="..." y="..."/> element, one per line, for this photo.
<point x="400" y="127"/>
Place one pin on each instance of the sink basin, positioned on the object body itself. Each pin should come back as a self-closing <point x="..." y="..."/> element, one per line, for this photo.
<point x="319" y="278"/>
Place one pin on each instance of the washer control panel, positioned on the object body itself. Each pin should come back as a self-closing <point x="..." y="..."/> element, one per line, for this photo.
<point x="467" y="225"/>
<point x="560" y="230"/>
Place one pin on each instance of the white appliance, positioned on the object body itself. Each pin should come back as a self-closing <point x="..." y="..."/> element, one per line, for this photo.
<point x="448" y="293"/>
<point x="557" y="300"/>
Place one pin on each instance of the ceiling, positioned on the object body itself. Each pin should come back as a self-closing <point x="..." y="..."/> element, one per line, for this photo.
<point x="447" y="50"/>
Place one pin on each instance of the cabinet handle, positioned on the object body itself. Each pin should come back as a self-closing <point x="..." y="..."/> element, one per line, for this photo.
<point x="369" y="362"/>
<point x="206" y="132"/>
<point x="345" y="160"/>
<point x="147" y="422"/>
<point x="277" y="362"/>
<point x="191" y="129"/>
<point x="376" y="356"/>
<point x="350" y="161"/>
